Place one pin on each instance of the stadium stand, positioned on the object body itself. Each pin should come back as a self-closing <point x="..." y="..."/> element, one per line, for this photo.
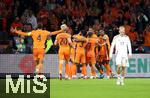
<point x="78" y="15"/>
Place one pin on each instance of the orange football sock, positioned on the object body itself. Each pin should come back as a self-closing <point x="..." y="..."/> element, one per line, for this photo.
<point x="101" y="72"/>
<point x="68" y="69"/>
<point x="74" y="69"/>
<point x="84" y="70"/>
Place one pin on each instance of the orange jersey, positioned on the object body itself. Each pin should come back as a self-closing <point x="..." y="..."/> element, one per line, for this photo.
<point x="39" y="38"/>
<point x="72" y="51"/>
<point x="103" y="49"/>
<point x="62" y="39"/>
<point x="94" y="36"/>
<point x="90" y="47"/>
<point x="80" y="49"/>
<point x="64" y="47"/>
<point x="147" y="39"/>
<point x="81" y="44"/>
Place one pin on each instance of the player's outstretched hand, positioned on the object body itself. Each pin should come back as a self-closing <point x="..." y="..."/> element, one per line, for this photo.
<point x="13" y="30"/>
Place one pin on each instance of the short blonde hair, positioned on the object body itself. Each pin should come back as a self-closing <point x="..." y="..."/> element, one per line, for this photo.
<point x="122" y="30"/>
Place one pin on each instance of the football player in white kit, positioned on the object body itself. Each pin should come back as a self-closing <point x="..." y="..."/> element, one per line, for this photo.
<point x="122" y="45"/>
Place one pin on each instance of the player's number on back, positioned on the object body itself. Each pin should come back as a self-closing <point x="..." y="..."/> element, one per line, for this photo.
<point x="63" y="41"/>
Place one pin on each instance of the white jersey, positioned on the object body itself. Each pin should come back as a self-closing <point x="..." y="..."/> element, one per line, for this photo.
<point x="122" y="46"/>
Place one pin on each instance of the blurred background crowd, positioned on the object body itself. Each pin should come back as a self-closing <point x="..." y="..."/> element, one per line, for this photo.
<point x="105" y="15"/>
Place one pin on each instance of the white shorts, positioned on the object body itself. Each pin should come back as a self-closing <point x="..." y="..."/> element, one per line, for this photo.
<point x="122" y="61"/>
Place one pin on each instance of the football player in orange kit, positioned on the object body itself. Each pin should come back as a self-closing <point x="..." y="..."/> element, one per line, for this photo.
<point x="103" y="54"/>
<point x="90" y="53"/>
<point x="39" y="37"/>
<point x="64" y="42"/>
<point x="73" y="72"/>
<point x="81" y="42"/>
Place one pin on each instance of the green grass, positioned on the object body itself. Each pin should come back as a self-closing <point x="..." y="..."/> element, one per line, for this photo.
<point x="133" y="88"/>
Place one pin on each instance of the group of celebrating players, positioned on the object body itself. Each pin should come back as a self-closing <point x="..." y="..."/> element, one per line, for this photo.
<point x="85" y="48"/>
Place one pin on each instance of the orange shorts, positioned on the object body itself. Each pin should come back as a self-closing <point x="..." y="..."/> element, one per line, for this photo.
<point x="90" y="60"/>
<point x="90" y="57"/>
<point x="103" y="59"/>
<point x="80" y="57"/>
<point x="38" y="53"/>
<point x="64" y="54"/>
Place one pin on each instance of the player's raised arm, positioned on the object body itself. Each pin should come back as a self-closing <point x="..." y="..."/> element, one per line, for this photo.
<point x="19" y="32"/>
<point x="57" y="32"/>
<point x="63" y="29"/>
<point x="70" y="42"/>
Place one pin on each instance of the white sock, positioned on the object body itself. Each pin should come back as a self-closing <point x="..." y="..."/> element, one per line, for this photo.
<point x="118" y="76"/>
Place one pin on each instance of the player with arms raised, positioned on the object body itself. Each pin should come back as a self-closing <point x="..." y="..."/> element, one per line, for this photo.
<point x="39" y="37"/>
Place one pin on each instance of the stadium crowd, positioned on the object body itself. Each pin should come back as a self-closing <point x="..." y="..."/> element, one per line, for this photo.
<point x="79" y="15"/>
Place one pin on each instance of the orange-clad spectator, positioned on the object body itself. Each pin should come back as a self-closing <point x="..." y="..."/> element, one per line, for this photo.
<point x="75" y="11"/>
<point x="82" y="11"/>
<point x="107" y="17"/>
<point x="43" y="13"/>
<point x="127" y="27"/>
<point x="133" y="35"/>
<point x="147" y="39"/>
<point x="127" y="15"/>
<point x="54" y="22"/>
<point x="16" y="24"/>
<point x="115" y="11"/>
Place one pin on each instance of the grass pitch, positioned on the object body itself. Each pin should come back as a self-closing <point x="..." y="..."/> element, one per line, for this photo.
<point x="96" y="88"/>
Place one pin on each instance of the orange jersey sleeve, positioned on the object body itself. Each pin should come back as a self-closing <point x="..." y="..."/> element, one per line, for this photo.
<point x="105" y="45"/>
<point x="82" y="41"/>
<point x="23" y="33"/>
<point x="56" y="32"/>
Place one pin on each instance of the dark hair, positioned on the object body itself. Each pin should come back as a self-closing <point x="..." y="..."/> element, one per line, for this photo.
<point x="90" y="34"/>
<point x="83" y="32"/>
<point x="40" y="26"/>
